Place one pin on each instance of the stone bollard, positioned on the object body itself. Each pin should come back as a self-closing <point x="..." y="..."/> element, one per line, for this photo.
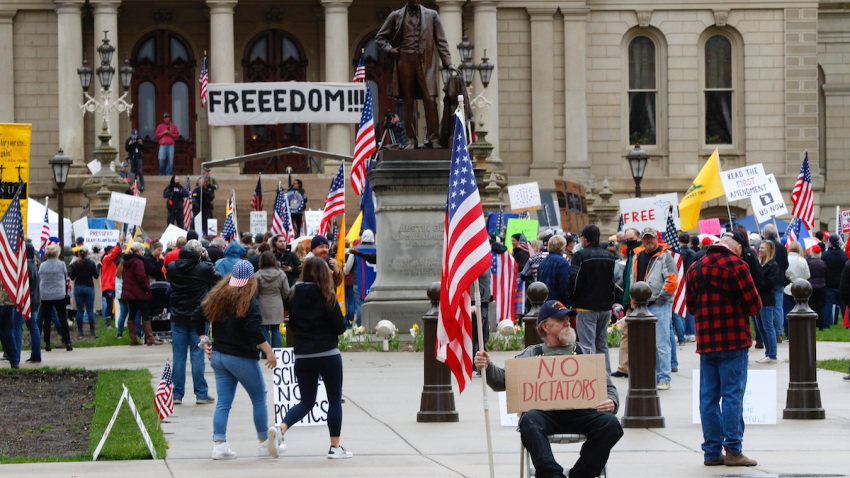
<point x="803" y="399"/>
<point x="438" y="400"/>
<point x="643" y="408"/>
<point x="537" y="294"/>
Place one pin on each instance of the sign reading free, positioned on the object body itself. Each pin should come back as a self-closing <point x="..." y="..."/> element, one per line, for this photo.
<point x="560" y="382"/>
<point x="650" y="211"/>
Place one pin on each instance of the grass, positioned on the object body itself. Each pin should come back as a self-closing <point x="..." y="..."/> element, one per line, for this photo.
<point x="105" y="336"/>
<point x="836" y="333"/>
<point x="837" y="365"/>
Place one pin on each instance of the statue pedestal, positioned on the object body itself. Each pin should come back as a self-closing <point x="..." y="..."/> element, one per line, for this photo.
<point x="410" y="205"/>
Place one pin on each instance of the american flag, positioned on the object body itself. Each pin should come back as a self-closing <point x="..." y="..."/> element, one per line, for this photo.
<point x="335" y="204"/>
<point x="278" y="215"/>
<point x="524" y="245"/>
<point x="187" y="207"/>
<point x="801" y="195"/>
<point x="164" y="396"/>
<point x="466" y="255"/>
<point x="204" y="81"/>
<point x="228" y="232"/>
<point x="796" y="232"/>
<point x="288" y="226"/>
<point x="13" y="257"/>
<point x="503" y="284"/>
<point x="672" y="238"/>
<point x="45" y="230"/>
<point x="839" y="226"/>
<point x="257" y="198"/>
<point x="364" y="146"/>
<point x="360" y="72"/>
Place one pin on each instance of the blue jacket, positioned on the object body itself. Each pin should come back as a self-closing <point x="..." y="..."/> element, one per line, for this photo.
<point x="232" y="255"/>
<point x="554" y="271"/>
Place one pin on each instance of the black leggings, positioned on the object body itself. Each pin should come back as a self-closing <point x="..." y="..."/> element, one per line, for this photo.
<point x="139" y="306"/>
<point x="45" y="320"/>
<point x="307" y="371"/>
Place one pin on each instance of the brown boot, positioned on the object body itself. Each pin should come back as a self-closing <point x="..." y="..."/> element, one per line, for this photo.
<point x="150" y="339"/>
<point x="739" y="460"/>
<point x="131" y="328"/>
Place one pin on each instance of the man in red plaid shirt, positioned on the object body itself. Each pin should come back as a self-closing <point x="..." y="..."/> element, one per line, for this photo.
<point x="722" y="296"/>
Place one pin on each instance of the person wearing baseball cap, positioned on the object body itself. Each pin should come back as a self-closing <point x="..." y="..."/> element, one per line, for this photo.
<point x="166" y="134"/>
<point x="235" y="322"/>
<point x="601" y="426"/>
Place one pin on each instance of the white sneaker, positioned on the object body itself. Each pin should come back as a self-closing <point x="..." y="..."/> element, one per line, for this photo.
<point x="766" y="360"/>
<point x="223" y="452"/>
<point x="663" y="386"/>
<point x="273" y="446"/>
<point x="337" y="452"/>
<point x="690" y="338"/>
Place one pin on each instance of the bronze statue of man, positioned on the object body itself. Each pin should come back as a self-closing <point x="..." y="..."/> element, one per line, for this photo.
<point x="413" y="36"/>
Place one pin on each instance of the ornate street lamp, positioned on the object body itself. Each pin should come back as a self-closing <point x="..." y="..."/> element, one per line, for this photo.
<point x="60" y="164"/>
<point x="637" y="163"/>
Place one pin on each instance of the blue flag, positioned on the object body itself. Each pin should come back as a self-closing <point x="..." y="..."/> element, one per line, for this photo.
<point x="367" y="205"/>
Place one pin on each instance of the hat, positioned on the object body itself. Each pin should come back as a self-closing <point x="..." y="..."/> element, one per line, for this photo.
<point x="80" y="240"/>
<point x="191" y="234"/>
<point x="649" y="231"/>
<point x="166" y="115"/>
<point x="834" y="240"/>
<point x="554" y="308"/>
<point x="739" y="237"/>
<point x="124" y="164"/>
<point x="134" y="132"/>
<point x="242" y="271"/>
<point x="258" y="238"/>
<point x="815" y="249"/>
<point x="706" y="241"/>
<point x="318" y="240"/>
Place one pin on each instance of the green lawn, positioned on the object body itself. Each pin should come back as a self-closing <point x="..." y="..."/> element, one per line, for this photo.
<point x="836" y="333"/>
<point x="837" y="365"/>
<point x="106" y="336"/>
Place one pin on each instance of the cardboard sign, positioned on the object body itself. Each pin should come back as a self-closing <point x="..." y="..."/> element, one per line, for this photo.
<point x="312" y="219"/>
<point x="259" y="223"/>
<point x="572" y="203"/>
<point x="126" y="208"/>
<point x="767" y="202"/>
<point x="521" y="226"/>
<point x="558" y="382"/>
<point x="101" y="237"/>
<point x="845" y="220"/>
<point x="650" y="211"/>
<point x="171" y="234"/>
<point x="710" y="226"/>
<point x="524" y="197"/>
<point x="212" y="227"/>
<point x="287" y="393"/>
<point x="759" y="398"/>
<point x="743" y="183"/>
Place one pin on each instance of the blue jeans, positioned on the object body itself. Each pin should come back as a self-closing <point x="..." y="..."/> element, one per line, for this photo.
<point x="690" y="325"/>
<point x="107" y="304"/>
<point x="123" y="311"/>
<point x="833" y="300"/>
<point x="84" y="296"/>
<point x="674" y="358"/>
<point x="35" y="335"/>
<point x="183" y="336"/>
<point x="664" y="314"/>
<point x="768" y="334"/>
<point x="778" y="311"/>
<point x="272" y="335"/>
<point x="165" y="170"/>
<point x="722" y="375"/>
<point x="592" y="331"/>
<point x="358" y="302"/>
<point x="7" y="333"/>
<point x="230" y="370"/>
<point x="679" y="327"/>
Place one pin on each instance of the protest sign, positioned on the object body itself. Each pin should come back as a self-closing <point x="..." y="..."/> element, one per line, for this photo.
<point x="506" y="419"/>
<point x="101" y="237"/>
<point x="126" y="208"/>
<point x="759" y="398"/>
<point x="845" y="220"/>
<point x="81" y="227"/>
<point x="768" y="202"/>
<point x="572" y="203"/>
<point x="290" y="102"/>
<point x="742" y="183"/>
<point x="710" y="226"/>
<point x="560" y="382"/>
<point x="312" y="220"/>
<point x="259" y="222"/>
<point x="198" y="222"/>
<point x="15" y="153"/>
<point x="287" y="392"/>
<point x="521" y="226"/>
<point x="524" y="197"/>
<point x="94" y="167"/>
<point x="212" y="227"/>
<point x="171" y="234"/>
<point x="650" y="211"/>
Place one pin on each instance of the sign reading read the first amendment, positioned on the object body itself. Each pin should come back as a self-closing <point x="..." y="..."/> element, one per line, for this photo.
<point x="287" y="393"/>
<point x="126" y="208"/>
<point x="559" y="382"/>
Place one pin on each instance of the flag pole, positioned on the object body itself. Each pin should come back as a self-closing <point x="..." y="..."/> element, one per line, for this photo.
<point x="483" y="376"/>
<point x="728" y="210"/>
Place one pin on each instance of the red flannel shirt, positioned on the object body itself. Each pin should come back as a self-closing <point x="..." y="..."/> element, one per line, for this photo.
<point x="722" y="299"/>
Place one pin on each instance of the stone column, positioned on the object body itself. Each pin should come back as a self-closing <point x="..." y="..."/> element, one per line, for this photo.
<point x="221" y="70"/>
<point x="337" y="67"/>
<point x="7" y="58"/>
<point x="451" y="16"/>
<point x="486" y="38"/>
<point x="543" y="163"/>
<point x="106" y="20"/>
<point x="70" y="33"/>
<point x="575" y="91"/>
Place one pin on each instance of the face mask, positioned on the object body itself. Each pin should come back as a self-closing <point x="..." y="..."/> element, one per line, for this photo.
<point x="632" y="244"/>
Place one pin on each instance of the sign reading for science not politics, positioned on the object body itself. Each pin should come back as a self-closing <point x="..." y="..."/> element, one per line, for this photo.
<point x="289" y="102"/>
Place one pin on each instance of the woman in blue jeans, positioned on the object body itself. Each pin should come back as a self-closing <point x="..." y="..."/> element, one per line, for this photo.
<point x="83" y="273"/>
<point x="235" y="318"/>
<point x="316" y="321"/>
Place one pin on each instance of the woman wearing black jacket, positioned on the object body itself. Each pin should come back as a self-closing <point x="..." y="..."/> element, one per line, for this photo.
<point x="315" y="320"/>
<point x="772" y="275"/>
<point x="83" y="273"/>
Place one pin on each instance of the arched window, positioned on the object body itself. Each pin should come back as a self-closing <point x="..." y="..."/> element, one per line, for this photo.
<point x="719" y="91"/>
<point x="643" y="91"/>
<point x="146" y="99"/>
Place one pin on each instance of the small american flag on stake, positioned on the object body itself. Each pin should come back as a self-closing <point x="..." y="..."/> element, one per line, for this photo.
<point x="204" y="80"/>
<point x="164" y="396"/>
<point x="335" y="204"/>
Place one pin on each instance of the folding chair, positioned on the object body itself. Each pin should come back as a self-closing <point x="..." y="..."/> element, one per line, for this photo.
<point x="527" y="471"/>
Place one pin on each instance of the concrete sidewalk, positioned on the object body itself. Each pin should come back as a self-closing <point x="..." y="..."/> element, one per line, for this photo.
<point x="382" y="392"/>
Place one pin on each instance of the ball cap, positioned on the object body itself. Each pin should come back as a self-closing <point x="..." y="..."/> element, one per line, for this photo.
<point x="554" y="308"/>
<point x="242" y="271"/>
<point x="649" y="231"/>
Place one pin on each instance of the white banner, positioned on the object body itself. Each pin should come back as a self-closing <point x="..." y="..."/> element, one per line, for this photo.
<point x="767" y="201"/>
<point x="524" y="197"/>
<point x="287" y="393"/>
<point x="650" y="211"/>
<point x="81" y="227"/>
<point x="259" y="222"/>
<point x="742" y="183"/>
<point x="126" y="208"/>
<point x="290" y="102"/>
<point x="101" y="237"/>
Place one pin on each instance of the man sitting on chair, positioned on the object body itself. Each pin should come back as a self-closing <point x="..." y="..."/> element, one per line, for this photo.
<point x="601" y="426"/>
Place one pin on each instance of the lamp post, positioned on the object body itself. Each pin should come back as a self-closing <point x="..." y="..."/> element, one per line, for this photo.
<point x="60" y="164"/>
<point x="637" y="163"/>
<point x="468" y="68"/>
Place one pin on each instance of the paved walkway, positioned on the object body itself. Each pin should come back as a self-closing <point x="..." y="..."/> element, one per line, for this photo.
<point x="382" y="392"/>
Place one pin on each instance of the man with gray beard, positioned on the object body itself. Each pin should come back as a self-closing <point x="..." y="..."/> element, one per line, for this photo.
<point x="601" y="426"/>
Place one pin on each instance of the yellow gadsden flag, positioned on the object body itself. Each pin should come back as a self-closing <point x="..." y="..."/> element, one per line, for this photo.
<point x="706" y="186"/>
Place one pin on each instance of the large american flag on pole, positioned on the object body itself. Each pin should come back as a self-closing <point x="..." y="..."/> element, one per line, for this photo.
<point x="672" y="238"/>
<point x="278" y="214"/>
<point x="187" y="207"/>
<point x="164" y="396"/>
<point x="466" y="255"/>
<point x="503" y="284"/>
<point x="204" y="80"/>
<point x="335" y="204"/>
<point x="45" y="230"/>
<point x="801" y="195"/>
<point x="257" y="197"/>
<point x="13" y="256"/>
<point x="364" y="146"/>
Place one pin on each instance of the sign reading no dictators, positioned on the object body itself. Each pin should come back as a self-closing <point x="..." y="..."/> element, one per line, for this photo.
<point x="126" y="208"/>
<point x="558" y="382"/>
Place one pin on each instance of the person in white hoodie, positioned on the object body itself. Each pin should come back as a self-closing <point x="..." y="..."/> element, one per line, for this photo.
<point x="798" y="268"/>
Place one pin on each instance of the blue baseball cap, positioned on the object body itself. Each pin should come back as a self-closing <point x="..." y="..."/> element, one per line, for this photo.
<point x="555" y="309"/>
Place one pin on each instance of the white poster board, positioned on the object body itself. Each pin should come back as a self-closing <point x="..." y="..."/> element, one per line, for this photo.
<point x="768" y="202"/>
<point x="94" y="167"/>
<point x="742" y="183"/>
<point x="171" y="234"/>
<point x="759" y="398"/>
<point x="524" y="197"/>
<point x="650" y="211"/>
<point x="506" y="419"/>
<point x="102" y="237"/>
<point x="287" y="393"/>
<point x="212" y="227"/>
<point x="126" y="208"/>
<point x="198" y="223"/>
<point x="312" y="219"/>
<point x="259" y="222"/>
<point x="81" y="227"/>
